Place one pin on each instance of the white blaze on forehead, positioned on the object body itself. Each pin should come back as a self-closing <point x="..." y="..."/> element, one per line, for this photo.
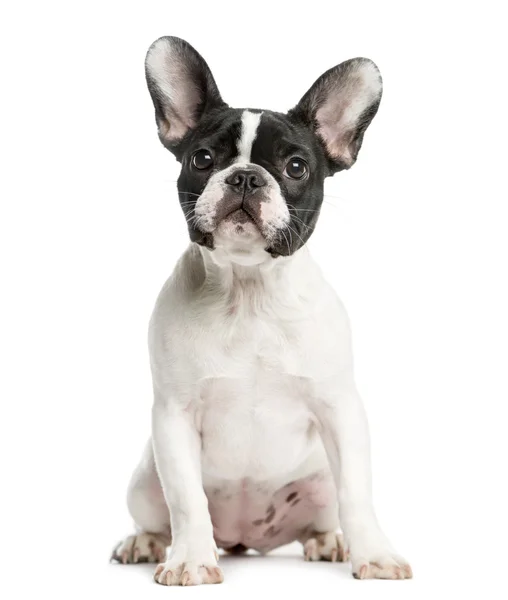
<point x="250" y="123"/>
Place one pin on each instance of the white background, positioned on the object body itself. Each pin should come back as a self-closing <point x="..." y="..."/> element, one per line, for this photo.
<point x="414" y="238"/>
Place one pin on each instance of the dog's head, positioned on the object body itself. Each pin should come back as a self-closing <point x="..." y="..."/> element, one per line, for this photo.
<point x="252" y="180"/>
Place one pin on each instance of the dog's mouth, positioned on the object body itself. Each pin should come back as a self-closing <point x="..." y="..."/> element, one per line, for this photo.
<point x="240" y="224"/>
<point x="240" y="216"/>
<point x="234" y="221"/>
<point x="237" y="225"/>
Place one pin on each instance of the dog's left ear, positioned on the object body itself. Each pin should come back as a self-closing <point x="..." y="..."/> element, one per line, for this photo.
<point x="340" y="106"/>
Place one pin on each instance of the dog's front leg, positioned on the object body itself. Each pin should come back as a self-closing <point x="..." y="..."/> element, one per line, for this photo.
<point x="177" y="448"/>
<point x="344" y="430"/>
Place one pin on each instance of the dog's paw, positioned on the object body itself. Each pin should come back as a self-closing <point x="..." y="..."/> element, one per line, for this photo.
<point x="326" y="546"/>
<point x="188" y="573"/>
<point x="380" y="565"/>
<point x="190" y="563"/>
<point x="145" y="547"/>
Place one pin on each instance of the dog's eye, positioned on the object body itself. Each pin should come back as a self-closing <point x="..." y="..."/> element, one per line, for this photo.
<point x="296" y="168"/>
<point x="202" y="159"/>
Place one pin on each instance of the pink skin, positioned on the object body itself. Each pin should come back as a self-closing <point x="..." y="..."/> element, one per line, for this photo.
<point x="258" y="518"/>
<point x="242" y="513"/>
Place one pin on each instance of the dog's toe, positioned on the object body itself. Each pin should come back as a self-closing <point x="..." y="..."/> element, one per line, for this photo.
<point x="145" y="547"/>
<point x="326" y="546"/>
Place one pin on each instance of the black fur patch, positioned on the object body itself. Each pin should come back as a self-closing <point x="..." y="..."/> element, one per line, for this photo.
<point x="278" y="139"/>
<point x="205" y="121"/>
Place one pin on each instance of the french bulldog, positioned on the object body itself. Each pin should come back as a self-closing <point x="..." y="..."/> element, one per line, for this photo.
<point x="259" y="437"/>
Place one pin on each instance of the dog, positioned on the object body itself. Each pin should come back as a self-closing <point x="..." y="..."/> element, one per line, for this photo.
<point x="259" y="436"/>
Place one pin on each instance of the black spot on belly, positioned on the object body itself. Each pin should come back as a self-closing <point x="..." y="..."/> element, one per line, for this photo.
<point x="272" y="531"/>
<point x="291" y="496"/>
<point x="270" y="514"/>
<point x="258" y="522"/>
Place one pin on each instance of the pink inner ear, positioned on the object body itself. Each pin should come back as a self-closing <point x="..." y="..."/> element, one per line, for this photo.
<point x="333" y="134"/>
<point x="180" y="96"/>
<point x="346" y="101"/>
<point x="184" y="101"/>
<point x="183" y="98"/>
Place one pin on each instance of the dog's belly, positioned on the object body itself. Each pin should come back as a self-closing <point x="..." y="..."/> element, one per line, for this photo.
<point x="264" y="467"/>
<point x="258" y="516"/>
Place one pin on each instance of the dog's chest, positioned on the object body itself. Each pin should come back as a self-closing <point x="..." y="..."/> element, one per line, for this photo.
<point x="253" y="404"/>
<point x="245" y="341"/>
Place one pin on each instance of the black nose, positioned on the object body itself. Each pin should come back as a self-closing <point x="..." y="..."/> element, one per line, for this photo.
<point x="245" y="180"/>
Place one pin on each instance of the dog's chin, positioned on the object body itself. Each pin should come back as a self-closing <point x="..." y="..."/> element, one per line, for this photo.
<point x="238" y="239"/>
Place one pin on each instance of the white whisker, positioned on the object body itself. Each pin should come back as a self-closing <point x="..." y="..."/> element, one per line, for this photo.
<point x="296" y="233"/>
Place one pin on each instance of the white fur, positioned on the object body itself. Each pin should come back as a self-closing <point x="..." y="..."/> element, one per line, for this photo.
<point x="159" y="64"/>
<point x="250" y="124"/>
<point x="245" y="359"/>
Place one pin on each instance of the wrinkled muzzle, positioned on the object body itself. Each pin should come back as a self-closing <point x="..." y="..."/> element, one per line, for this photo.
<point x="242" y="202"/>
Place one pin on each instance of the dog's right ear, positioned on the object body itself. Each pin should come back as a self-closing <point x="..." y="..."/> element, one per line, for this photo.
<point x="182" y="88"/>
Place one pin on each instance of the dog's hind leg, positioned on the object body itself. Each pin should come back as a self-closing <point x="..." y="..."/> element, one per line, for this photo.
<point x="148" y="508"/>
<point x="323" y="541"/>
